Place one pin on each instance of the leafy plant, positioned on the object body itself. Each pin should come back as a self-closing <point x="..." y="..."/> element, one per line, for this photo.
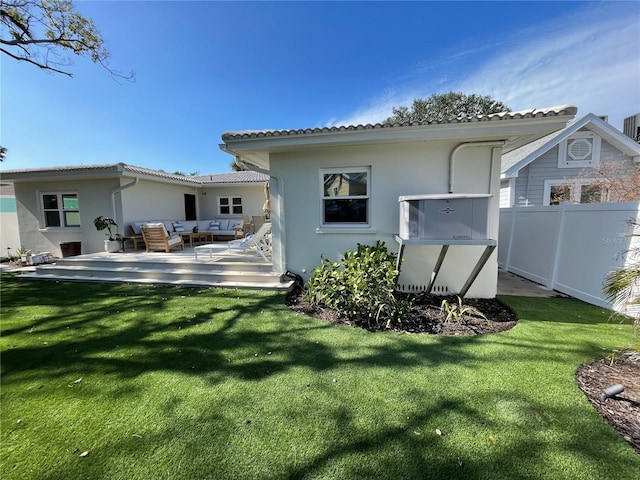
<point x="622" y="286"/>
<point x="361" y="285"/>
<point x="105" y="222"/>
<point x="457" y="311"/>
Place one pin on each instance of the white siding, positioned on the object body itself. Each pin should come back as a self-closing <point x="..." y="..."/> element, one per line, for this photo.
<point x="530" y="181"/>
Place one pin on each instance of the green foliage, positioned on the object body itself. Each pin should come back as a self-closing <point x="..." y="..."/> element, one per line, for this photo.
<point x="361" y="285"/>
<point x="105" y="222"/>
<point x="446" y="106"/>
<point x="457" y="311"/>
<point x="40" y="31"/>
<point x="622" y="286"/>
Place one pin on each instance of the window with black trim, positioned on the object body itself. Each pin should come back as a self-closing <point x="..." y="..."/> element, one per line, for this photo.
<point x="345" y="196"/>
<point x="230" y="205"/>
<point x="60" y="210"/>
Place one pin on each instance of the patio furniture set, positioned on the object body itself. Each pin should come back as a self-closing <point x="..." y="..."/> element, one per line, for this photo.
<point x="155" y="237"/>
<point x="191" y="231"/>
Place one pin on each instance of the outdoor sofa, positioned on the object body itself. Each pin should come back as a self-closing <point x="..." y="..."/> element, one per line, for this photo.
<point x="221" y="229"/>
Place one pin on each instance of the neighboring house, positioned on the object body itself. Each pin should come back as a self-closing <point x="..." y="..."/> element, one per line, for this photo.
<point x="9" y="236"/>
<point x="58" y="205"/>
<point x="631" y="127"/>
<point x="335" y="187"/>
<point x="568" y="165"/>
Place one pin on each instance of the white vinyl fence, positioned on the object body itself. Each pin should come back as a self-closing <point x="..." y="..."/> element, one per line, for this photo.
<point x="568" y="248"/>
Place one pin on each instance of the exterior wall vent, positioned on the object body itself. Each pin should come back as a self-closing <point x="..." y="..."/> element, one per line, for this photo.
<point x="421" y="288"/>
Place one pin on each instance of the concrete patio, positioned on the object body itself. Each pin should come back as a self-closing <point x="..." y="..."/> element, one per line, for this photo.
<point x="226" y="268"/>
<point x="230" y="269"/>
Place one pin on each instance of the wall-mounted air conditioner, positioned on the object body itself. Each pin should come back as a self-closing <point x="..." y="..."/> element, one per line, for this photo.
<point x="444" y="217"/>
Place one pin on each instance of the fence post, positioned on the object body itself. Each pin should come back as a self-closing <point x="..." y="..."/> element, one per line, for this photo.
<point x="507" y="260"/>
<point x="558" y="245"/>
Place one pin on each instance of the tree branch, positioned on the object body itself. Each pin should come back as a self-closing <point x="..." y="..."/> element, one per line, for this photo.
<point x="37" y="64"/>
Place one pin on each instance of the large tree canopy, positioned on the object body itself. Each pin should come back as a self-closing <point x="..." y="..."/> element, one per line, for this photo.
<point x="445" y="106"/>
<point x="45" y="33"/>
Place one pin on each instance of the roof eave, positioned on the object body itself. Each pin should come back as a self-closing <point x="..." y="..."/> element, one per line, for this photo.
<point x="599" y="126"/>
<point x="515" y="132"/>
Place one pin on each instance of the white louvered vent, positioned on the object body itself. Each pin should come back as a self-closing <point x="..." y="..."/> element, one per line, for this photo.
<point x="582" y="149"/>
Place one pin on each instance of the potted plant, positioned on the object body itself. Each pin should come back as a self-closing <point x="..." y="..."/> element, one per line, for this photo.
<point x="112" y="244"/>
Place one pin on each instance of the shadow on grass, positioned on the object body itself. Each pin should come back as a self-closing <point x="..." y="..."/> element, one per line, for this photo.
<point x="112" y="330"/>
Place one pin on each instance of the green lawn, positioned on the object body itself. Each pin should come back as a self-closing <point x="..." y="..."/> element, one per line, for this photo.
<point x="161" y="382"/>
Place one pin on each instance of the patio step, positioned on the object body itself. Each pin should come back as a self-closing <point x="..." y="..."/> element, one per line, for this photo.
<point x="168" y="271"/>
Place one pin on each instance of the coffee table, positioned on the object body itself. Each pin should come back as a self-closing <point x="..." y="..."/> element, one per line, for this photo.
<point x="198" y="236"/>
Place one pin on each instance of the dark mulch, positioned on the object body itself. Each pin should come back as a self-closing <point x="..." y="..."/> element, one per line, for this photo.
<point x="623" y="410"/>
<point x="426" y="316"/>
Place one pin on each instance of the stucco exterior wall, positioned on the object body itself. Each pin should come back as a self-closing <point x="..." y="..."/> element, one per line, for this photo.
<point x="9" y="233"/>
<point x="93" y="199"/>
<point x="154" y="201"/>
<point x="253" y="199"/>
<point x="396" y="169"/>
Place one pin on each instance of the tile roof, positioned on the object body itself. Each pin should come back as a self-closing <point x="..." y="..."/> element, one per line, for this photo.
<point x="119" y="168"/>
<point x="530" y="113"/>
<point x="234" y="177"/>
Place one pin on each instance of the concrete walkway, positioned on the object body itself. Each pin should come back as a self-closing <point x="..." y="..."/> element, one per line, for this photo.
<point x="510" y="284"/>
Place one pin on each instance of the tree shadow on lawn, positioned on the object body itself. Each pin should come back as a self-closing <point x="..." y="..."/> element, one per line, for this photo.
<point x="216" y="344"/>
<point x="221" y="342"/>
<point x="474" y="447"/>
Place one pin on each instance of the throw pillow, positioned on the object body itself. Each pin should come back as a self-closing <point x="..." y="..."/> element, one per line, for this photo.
<point x="177" y="227"/>
<point x="214" y="226"/>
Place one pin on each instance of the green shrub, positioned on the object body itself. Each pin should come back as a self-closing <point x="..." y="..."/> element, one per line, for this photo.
<point x="361" y="285"/>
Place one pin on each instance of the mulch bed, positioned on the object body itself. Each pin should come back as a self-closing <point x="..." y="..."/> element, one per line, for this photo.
<point x="426" y="316"/>
<point x="622" y="411"/>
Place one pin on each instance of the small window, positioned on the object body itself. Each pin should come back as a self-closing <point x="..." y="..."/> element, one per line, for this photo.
<point x="345" y="196"/>
<point x="230" y="205"/>
<point x="559" y="194"/>
<point x="60" y="210"/>
<point x="582" y="149"/>
<point x="583" y="191"/>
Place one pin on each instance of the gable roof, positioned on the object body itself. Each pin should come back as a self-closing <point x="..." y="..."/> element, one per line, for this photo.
<point x="515" y="160"/>
<point x="88" y="172"/>
<point x="515" y="129"/>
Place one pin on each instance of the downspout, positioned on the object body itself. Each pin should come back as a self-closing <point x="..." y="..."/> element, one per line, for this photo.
<point x="117" y="190"/>
<point x="452" y="157"/>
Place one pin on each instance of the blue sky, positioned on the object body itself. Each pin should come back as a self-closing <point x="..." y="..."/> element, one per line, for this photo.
<point x="203" y="68"/>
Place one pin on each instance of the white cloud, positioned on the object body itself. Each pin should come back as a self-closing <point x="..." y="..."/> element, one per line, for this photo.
<point x="590" y="60"/>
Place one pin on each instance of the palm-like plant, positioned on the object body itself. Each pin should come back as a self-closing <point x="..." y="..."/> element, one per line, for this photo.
<point x="622" y="286"/>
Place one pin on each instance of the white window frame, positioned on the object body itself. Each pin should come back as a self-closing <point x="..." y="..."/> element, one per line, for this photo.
<point x="367" y="197"/>
<point x="565" y="159"/>
<point x="575" y="188"/>
<point x="230" y="204"/>
<point x="61" y="210"/>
